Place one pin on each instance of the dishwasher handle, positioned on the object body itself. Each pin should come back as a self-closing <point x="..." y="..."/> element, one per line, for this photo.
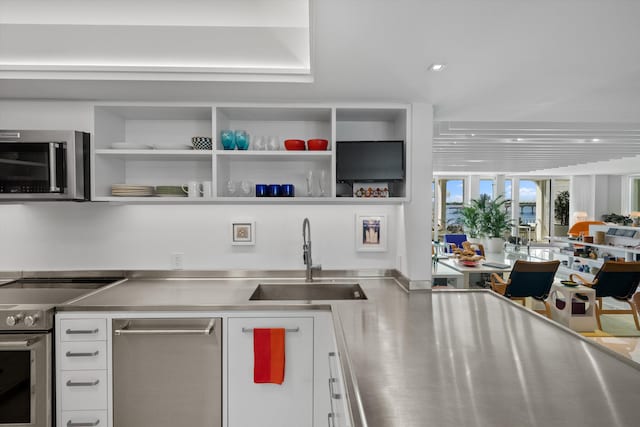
<point x="126" y="331"/>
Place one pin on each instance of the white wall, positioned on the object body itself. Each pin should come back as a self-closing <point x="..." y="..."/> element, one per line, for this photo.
<point x="597" y="195"/>
<point x="61" y="236"/>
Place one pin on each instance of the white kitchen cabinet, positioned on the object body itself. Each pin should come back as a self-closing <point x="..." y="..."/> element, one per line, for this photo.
<point x="339" y="414"/>
<point x="164" y="130"/>
<point x="167" y="129"/>
<point x="83" y="355"/>
<point x="82" y="380"/>
<point x="83" y="390"/>
<point x="282" y="405"/>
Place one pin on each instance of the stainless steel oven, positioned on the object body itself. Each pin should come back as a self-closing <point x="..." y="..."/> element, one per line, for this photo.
<point x="45" y="165"/>
<point x="27" y="308"/>
<point x="25" y="379"/>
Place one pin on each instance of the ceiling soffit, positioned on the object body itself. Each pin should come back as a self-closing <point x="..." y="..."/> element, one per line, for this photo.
<point x="251" y="40"/>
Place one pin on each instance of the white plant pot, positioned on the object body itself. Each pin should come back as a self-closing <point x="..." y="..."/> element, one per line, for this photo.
<point x="494" y="245"/>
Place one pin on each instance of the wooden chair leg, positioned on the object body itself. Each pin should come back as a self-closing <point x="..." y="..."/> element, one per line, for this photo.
<point x="598" y="314"/>
<point x="547" y="309"/>
<point x="635" y="315"/>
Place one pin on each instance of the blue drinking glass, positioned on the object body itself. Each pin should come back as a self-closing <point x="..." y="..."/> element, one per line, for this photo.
<point x="273" y="190"/>
<point x="228" y="139"/>
<point x="288" y="190"/>
<point x="261" y="190"/>
<point x="242" y="140"/>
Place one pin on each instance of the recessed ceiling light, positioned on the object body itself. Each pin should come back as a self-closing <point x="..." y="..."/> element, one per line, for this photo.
<point x="473" y="134"/>
<point x="436" y="67"/>
<point x="595" y="140"/>
<point x="476" y="161"/>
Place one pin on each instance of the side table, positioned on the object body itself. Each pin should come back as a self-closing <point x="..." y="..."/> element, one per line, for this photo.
<point x="580" y="321"/>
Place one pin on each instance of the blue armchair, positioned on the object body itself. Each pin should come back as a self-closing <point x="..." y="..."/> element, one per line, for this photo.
<point x="455" y="239"/>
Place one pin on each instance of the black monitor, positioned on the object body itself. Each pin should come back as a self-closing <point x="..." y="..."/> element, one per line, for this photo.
<point x="370" y="161"/>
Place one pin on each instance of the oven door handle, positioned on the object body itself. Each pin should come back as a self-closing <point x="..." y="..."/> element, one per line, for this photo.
<point x="21" y="343"/>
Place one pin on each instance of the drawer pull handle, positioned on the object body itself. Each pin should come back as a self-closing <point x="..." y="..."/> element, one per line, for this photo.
<point x="95" y="353"/>
<point x="83" y="424"/>
<point x="82" y="383"/>
<point x="82" y="331"/>
<point x="333" y="394"/>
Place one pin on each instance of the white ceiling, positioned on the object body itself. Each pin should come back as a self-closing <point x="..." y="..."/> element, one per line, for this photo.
<point x="518" y="63"/>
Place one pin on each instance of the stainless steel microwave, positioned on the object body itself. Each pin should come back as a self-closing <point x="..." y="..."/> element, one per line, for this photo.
<point x="44" y="165"/>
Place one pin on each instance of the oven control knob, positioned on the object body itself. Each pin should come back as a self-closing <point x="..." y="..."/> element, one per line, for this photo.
<point x="31" y="320"/>
<point x="14" y="320"/>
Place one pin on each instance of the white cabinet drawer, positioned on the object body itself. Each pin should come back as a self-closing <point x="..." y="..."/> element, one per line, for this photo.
<point x="83" y="329"/>
<point x="83" y="390"/>
<point x="83" y="355"/>
<point x="84" y="419"/>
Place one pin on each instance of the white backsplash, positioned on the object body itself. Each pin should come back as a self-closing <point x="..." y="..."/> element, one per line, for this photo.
<point x="68" y="235"/>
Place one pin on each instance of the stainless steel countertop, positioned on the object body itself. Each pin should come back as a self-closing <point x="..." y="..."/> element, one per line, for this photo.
<point x="445" y="358"/>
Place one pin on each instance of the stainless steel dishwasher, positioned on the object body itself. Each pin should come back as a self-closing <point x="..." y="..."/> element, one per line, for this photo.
<point x="167" y="372"/>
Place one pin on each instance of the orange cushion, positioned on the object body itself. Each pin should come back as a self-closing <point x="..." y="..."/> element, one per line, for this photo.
<point x="582" y="227"/>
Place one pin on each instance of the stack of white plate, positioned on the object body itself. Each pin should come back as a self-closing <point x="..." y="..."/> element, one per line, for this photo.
<point x="129" y="190"/>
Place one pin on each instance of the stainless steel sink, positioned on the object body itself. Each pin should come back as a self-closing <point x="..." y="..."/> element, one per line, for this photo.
<point x="308" y="291"/>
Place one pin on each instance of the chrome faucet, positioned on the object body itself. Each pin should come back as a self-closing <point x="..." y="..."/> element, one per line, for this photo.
<point x="306" y="250"/>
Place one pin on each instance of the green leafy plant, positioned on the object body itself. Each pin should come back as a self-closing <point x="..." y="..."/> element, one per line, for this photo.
<point x="561" y="208"/>
<point x="618" y="219"/>
<point x="471" y="215"/>
<point x="495" y="221"/>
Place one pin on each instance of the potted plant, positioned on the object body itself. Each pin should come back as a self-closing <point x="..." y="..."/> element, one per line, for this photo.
<point x="495" y="223"/>
<point x="561" y="214"/>
<point x="471" y="216"/>
<point x="617" y="219"/>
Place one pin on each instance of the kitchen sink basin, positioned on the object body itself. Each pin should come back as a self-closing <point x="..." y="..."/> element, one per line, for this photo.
<point x="308" y="291"/>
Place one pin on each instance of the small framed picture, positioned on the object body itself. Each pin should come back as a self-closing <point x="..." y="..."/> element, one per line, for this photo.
<point x="243" y="233"/>
<point x="371" y="233"/>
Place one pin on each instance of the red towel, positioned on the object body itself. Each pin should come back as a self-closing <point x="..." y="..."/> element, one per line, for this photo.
<point x="268" y="355"/>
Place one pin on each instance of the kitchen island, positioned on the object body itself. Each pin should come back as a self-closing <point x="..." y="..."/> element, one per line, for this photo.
<point x="445" y="358"/>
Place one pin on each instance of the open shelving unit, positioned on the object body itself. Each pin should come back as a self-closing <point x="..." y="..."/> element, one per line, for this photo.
<point x="164" y="127"/>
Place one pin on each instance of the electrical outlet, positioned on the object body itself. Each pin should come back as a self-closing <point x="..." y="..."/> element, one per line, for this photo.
<point x="177" y="259"/>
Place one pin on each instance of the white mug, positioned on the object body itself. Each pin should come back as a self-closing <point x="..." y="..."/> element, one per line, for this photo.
<point x="207" y="189"/>
<point x="192" y="189"/>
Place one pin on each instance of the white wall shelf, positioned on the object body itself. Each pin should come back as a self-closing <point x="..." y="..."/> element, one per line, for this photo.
<point x="157" y="154"/>
<point x="273" y="155"/>
<point x="593" y="245"/>
<point x="172" y="124"/>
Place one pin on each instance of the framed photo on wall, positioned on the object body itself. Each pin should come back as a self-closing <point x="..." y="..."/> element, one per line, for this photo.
<point x="243" y="233"/>
<point x="371" y="233"/>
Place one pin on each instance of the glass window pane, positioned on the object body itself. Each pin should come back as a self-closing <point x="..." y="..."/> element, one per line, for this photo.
<point x="528" y="192"/>
<point x="454" y="198"/>
<point x="486" y="187"/>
